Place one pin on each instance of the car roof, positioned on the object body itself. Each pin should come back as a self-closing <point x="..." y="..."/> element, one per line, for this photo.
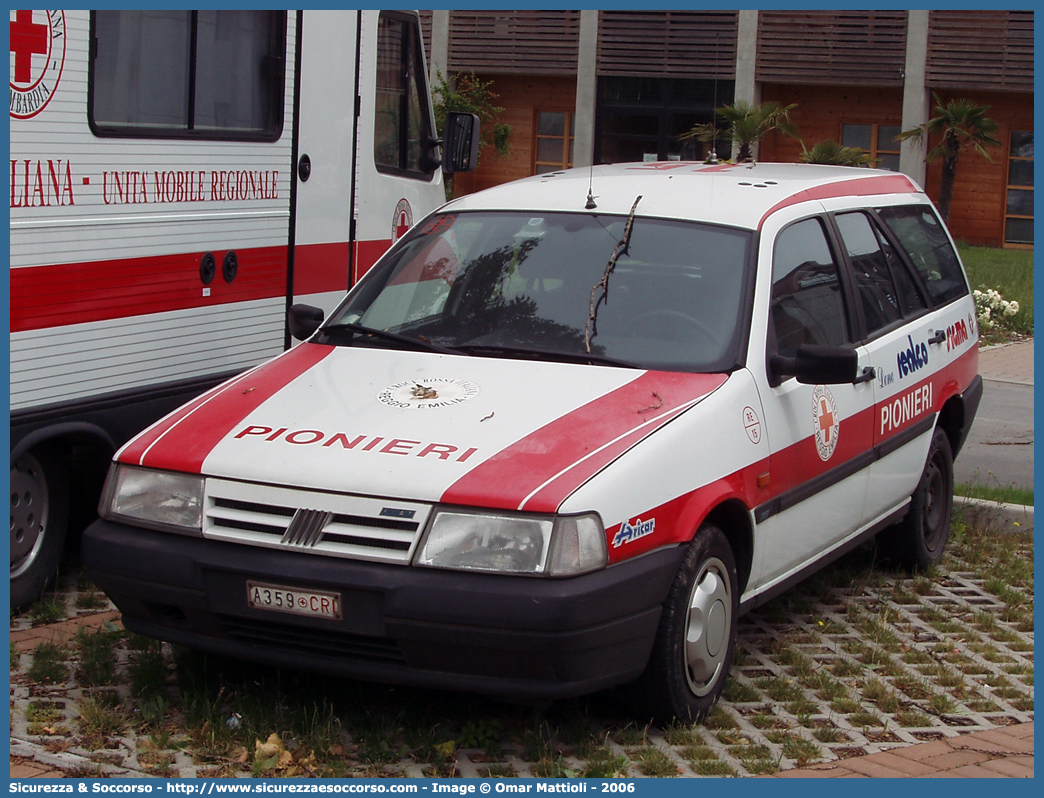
<point x="740" y="195"/>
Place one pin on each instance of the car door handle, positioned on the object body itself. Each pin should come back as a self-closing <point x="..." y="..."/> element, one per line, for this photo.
<point x="867" y="375"/>
<point x="938" y="338"/>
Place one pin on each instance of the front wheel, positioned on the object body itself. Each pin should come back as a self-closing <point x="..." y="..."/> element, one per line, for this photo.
<point x="919" y="540"/>
<point x="697" y="635"/>
<point x="39" y="517"/>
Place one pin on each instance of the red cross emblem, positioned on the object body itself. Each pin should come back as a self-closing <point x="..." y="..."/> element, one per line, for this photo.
<point x="402" y="219"/>
<point x="28" y="38"/>
<point x="826" y="421"/>
<point x="37" y="41"/>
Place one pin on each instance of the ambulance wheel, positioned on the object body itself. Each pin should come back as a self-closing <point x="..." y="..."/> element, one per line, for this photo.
<point x="697" y="635"/>
<point x="919" y="540"/>
<point x="39" y="517"/>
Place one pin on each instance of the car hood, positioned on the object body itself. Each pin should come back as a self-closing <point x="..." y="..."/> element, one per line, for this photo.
<point x="489" y="432"/>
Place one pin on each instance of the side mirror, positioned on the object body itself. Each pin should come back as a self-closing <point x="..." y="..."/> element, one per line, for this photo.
<point x="816" y="365"/>
<point x="460" y="142"/>
<point x="304" y="320"/>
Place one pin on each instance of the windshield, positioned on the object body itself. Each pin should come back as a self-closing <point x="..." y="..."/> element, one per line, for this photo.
<point x="508" y="283"/>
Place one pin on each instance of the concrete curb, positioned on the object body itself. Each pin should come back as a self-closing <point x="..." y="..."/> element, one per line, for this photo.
<point x="995" y="516"/>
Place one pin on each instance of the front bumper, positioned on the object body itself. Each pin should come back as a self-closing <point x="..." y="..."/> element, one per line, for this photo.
<point x="524" y="637"/>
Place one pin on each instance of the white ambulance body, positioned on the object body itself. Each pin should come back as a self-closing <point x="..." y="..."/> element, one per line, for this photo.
<point x="563" y="433"/>
<point x="177" y="179"/>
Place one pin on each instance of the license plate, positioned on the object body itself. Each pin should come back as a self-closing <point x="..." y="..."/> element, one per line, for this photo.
<point x="312" y="603"/>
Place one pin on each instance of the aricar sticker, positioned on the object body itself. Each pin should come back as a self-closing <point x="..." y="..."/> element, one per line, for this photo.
<point x="428" y="393"/>
<point x="825" y="421"/>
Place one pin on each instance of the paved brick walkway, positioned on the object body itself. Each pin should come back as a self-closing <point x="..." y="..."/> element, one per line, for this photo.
<point x="58" y="633"/>
<point x="1008" y="362"/>
<point x="998" y="753"/>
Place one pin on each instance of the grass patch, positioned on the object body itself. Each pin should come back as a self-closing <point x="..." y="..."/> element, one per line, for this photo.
<point x="1009" y="271"/>
<point x="48" y="664"/>
<point x="1005" y="494"/>
<point x="47" y="610"/>
<point x="100" y="721"/>
<point x="97" y="656"/>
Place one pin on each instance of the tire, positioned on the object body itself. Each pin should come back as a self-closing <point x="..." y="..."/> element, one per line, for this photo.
<point x="685" y="678"/>
<point x="39" y="518"/>
<point x="919" y="540"/>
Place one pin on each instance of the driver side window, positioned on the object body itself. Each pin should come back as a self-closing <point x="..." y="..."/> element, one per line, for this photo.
<point x="807" y="302"/>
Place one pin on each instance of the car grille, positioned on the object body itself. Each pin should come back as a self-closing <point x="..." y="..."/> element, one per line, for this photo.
<point x="330" y="524"/>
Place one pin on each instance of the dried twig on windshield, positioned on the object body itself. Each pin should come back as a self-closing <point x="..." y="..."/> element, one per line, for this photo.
<point x="591" y="328"/>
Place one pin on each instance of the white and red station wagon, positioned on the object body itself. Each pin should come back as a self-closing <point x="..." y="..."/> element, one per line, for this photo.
<point x="563" y="434"/>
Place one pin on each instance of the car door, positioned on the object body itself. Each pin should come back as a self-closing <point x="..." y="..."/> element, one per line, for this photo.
<point x="918" y="334"/>
<point x="819" y="436"/>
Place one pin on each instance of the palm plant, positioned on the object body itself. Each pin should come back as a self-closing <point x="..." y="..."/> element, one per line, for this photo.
<point x="745" y="124"/>
<point x="960" y="123"/>
<point x="829" y="151"/>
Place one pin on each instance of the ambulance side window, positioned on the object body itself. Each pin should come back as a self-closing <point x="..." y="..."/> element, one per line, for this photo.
<point x="807" y="302"/>
<point x="187" y="74"/>
<point x="921" y="234"/>
<point x="402" y="122"/>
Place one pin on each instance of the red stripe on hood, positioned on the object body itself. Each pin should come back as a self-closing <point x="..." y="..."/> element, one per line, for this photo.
<point x="225" y="407"/>
<point x="539" y="471"/>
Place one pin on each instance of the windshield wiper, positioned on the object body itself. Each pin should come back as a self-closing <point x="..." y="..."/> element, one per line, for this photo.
<point x="492" y="350"/>
<point x="360" y="329"/>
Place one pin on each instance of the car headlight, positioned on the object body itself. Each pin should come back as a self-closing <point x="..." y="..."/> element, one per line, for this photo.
<point x="162" y="500"/>
<point x="514" y="544"/>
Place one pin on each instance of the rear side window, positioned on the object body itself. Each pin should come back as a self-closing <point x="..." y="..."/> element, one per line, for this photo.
<point x="807" y="302"/>
<point x="921" y="235"/>
<point x="402" y="129"/>
<point x="188" y="74"/>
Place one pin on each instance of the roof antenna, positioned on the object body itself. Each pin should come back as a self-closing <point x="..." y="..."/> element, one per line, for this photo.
<point x="591" y="204"/>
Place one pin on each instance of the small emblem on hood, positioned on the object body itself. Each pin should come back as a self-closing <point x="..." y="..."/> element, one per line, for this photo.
<point x="429" y="393"/>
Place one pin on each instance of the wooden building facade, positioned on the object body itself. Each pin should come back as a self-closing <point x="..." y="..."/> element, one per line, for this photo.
<point x="582" y="87"/>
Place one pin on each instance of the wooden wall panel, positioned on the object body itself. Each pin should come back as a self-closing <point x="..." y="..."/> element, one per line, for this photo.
<point x="680" y="44"/>
<point x="822" y="110"/>
<point x="980" y="191"/>
<point x="498" y="42"/>
<point x="861" y="48"/>
<point x="990" y="50"/>
<point x="521" y="97"/>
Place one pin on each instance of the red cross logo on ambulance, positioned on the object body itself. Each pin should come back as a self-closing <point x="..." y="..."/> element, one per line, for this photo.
<point x="825" y="421"/>
<point x="402" y="219"/>
<point x="37" y="59"/>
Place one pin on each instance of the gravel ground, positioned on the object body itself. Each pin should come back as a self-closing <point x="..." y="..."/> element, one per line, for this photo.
<point x="851" y="662"/>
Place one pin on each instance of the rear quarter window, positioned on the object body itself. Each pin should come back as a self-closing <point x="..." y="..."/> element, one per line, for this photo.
<point x="922" y="236"/>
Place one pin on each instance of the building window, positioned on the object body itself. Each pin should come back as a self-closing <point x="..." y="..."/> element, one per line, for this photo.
<point x="641" y="119"/>
<point x="554" y="141"/>
<point x="198" y="74"/>
<point x="877" y="140"/>
<point x="1018" y="217"/>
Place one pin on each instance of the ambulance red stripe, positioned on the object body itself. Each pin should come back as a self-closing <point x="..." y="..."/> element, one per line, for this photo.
<point x="198" y="433"/>
<point x="515" y="475"/>
<point x="78" y="293"/>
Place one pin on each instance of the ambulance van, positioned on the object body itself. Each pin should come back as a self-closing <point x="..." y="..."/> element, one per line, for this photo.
<point x="563" y="434"/>
<point x="178" y="179"/>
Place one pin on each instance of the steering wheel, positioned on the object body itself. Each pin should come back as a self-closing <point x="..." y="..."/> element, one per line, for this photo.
<point x="684" y="318"/>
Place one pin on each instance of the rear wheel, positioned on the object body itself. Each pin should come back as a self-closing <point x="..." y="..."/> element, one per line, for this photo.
<point x="919" y="540"/>
<point x="697" y="636"/>
<point x="39" y="517"/>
